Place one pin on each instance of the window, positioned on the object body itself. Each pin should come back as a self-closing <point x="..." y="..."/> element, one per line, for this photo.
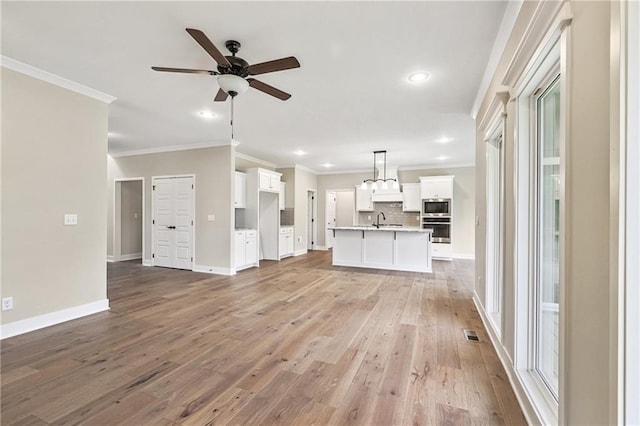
<point x="494" y="227"/>
<point x="547" y="234"/>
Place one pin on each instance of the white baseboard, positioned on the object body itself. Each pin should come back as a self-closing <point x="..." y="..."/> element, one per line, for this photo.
<point x="110" y="259"/>
<point x="213" y="270"/>
<point x="530" y="413"/>
<point x="323" y="248"/>
<point x="132" y="256"/>
<point x="300" y="252"/>
<point x="471" y="256"/>
<point x="147" y="262"/>
<point x="52" y="318"/>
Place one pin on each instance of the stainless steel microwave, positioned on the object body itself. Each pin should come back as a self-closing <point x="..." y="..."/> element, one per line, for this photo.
<point x="435" y="207"/>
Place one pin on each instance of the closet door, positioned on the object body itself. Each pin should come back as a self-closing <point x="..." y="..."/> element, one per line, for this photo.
<point x="173" y="222"/>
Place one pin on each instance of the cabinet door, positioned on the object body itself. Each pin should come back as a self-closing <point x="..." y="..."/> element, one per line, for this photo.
<point x="240" y="196"/>
<point x="265" y="181"/>
<point x="363" y="199"/>
<point x="290" y="243"/>
<point x="282" y="247"/>
<point x="281" y="195"/>
<point x="251" y="249"/>
<point x="240" y="250"/>
<point x="437" y="188"/>
<point x="411" y="197"/>
<point x="274" y="183"/>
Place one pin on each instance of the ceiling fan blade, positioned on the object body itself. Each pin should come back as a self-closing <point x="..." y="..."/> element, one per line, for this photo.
<point x="207" y="45"/>
<point x="269" y="90"/>
<point x="221" y="96"/>
<point x="185" y="70"/>
<point x="275" y="65"/>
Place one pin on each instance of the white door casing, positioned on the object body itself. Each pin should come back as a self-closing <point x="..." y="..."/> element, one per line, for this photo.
<point x="330" y="217"/>
<point x="172" y="220"/>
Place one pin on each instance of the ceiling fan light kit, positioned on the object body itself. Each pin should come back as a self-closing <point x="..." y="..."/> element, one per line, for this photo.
<point x="377" y="180"/>
<point x="233" y="85"/>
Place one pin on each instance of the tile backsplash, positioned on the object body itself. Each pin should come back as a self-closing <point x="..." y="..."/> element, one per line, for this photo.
<point x="286" y="217"/>
<point x="393" y="212"/>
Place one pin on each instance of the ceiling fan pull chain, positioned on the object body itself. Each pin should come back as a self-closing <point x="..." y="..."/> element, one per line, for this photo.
<point x="232" y="117"/>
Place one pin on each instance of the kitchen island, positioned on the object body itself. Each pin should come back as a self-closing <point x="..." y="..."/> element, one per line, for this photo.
<point x="394" y="248"/>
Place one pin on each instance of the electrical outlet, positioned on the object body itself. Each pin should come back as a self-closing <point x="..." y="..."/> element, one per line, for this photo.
<point x="70" y="219"/>
<point x="368" y="217"/>
<point x="7" y="303"/>
<point x="417" y="217"/>
<point x="299" y="239"/>
<point x="211" y="218"/>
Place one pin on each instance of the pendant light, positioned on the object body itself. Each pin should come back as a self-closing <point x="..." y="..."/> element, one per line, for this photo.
<point x="376" y="179"/>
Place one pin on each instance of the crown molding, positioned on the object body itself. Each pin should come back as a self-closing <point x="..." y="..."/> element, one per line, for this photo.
<point x="56" y="80"/>
<point x="437" y="166"/>
<point x="161" y="149"/>
<point x="255" y="160"/>
<point x="305" y="168"/>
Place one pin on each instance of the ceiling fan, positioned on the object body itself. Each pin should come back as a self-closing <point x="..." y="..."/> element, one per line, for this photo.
<point x="233" y="70"/>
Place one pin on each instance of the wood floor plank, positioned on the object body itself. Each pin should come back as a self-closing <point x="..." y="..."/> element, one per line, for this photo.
<point x="296" y="342"/>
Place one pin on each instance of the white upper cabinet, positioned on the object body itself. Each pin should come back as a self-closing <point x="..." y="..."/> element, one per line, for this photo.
<point x="281" y="195"/>
<point x="363" y="199"/>
<point x="269" y="181"/>
<point x="411" y="199"/>
<point x="240" y="196"/>
<point x="436" y="187"/>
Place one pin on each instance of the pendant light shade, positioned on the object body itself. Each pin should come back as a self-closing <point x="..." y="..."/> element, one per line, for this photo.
<point x="377" y="181"/>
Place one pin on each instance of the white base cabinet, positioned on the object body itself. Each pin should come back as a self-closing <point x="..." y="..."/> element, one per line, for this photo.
<point x="246" y="249"/>
<point x="442" y="251"/>
<point x="383" y="249"/>
<point x="286" y="241"/>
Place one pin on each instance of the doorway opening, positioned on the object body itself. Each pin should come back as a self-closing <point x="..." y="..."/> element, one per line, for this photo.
<point x="340" y="210"/>
<point x="128" y="226"/>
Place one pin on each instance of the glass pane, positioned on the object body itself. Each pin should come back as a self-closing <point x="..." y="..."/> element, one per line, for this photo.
<point x="548" y="235"/>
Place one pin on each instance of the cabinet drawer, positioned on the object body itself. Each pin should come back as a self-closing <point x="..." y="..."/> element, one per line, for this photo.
<point x="251" y="233"/>
<point x="286" y="230"/>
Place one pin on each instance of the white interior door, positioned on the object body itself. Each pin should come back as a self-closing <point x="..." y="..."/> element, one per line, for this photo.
<point x="173" y="222"/>
<point x="330" y="217"/>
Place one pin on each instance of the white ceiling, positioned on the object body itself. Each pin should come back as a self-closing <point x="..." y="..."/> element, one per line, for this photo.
<point x="350" y="96"/>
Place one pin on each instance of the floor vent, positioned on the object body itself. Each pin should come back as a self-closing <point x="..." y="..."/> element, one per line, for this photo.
<point x="471" y="335"/>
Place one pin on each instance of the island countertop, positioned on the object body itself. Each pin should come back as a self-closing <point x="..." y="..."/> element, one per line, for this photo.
<point x="382" y="228"/>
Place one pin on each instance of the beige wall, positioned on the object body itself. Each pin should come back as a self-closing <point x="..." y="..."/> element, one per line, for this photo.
<point x="54" y="148"/>
<point x="131" y="217"/>
<point x="304" y="181"/>
<point x="463" y="203"/>
<point x="213" y="169"/>
<point x="588" y="388"/>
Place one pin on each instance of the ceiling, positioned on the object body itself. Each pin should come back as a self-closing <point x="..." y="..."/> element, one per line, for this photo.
<point x="350" y="97"/>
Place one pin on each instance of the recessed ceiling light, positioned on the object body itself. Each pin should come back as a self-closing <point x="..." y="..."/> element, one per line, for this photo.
<point x="207" y="115"/>
<point x="327" y="165"/>
<point x="300" y="152"/>
<point x="442" y="158"/>
<point x="444" y="139"/>
<point x="418" y="76"/>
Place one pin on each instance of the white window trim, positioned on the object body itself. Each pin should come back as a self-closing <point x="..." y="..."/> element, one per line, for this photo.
<point x="550" y="61"/>
<point x="627" y="408"/>
<point x="496" y="316"/>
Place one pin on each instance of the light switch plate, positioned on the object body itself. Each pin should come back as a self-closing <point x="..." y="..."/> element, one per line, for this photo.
<point x="70" y="219"/>
<point x="211" y="218"/>
<point x="7" y="303"/>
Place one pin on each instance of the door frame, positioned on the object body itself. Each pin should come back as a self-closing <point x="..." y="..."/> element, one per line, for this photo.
<point x="326" y="215"/>
<point x="193" y="215"/>
<point x="354" y="213"/>
<point x="116" y="225"/>
<point x="312" y="244"/>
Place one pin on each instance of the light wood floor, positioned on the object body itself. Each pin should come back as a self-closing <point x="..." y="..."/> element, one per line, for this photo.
<point x="297" y="342"/>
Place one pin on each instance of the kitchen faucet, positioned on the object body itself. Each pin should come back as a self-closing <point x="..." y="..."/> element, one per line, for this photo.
<point x="377" y="224"/>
